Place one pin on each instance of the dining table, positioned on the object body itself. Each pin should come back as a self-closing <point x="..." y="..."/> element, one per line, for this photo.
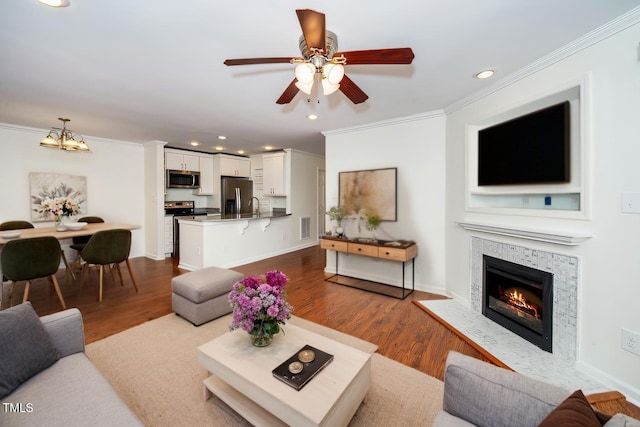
<point x="29" y="233"/>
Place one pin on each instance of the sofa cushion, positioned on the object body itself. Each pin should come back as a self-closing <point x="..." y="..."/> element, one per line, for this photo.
<point x="489" y="396"/>
<point x="575" y="411"/>
<point x="25" y="347"/>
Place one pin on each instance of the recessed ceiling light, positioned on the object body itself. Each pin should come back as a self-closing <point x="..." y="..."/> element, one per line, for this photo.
<point x="194" y="143"/>
<point x="240" y="151"/>
<point x="222" y="137"/>
<point x="484" y="74"/>
<point x="312" y="117"/>
<point x="268" y="147"/>
<point x="55" y="3"/>
<point x="219" y="148"/>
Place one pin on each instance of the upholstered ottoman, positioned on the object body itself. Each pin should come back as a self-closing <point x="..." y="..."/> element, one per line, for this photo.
<point x="200" y="296"/>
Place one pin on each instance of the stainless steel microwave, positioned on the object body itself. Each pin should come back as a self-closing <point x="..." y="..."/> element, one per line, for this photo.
<point x="182" y="179"/>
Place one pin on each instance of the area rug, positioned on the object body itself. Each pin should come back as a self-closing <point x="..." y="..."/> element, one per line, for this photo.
<point x="153" y="368"/>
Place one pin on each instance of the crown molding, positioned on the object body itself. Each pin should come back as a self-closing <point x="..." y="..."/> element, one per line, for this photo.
<point x="599" y="34"/>
<point x="384" y="123"/>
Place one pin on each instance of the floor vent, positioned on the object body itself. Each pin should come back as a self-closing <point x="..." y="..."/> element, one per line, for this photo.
<point x="305" y="227"/>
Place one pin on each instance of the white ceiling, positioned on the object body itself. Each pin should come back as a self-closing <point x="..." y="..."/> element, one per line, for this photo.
<point x="143" y="70"/>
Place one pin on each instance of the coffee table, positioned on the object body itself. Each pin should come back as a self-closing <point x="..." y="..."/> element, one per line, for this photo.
<point x="241" y="377"/>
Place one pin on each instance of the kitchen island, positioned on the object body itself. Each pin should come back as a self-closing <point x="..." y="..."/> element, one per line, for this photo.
<point x="227" y="241"/>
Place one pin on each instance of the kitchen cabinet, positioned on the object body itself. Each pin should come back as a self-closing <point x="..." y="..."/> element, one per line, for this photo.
<point x="273" y="176"/>
<point x="206" y="176"/>
<point x="180" y="161"/>
<point x="235" y="166"/>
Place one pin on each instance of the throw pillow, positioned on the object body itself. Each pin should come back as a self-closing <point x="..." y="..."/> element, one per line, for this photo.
<point x="575" y="411"/>
<point x="25" y="347"/>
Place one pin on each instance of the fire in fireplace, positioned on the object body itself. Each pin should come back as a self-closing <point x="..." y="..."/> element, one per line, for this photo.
<point x="520" y="298"/>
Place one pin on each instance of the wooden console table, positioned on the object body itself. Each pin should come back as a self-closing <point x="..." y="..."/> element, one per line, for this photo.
<point x="405" y="251"/>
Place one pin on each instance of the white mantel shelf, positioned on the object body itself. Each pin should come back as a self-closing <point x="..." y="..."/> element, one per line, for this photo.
<point x="559" y="237"/>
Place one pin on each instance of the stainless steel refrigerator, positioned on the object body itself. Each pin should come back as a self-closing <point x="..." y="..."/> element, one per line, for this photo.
<point x="236" y="195"/>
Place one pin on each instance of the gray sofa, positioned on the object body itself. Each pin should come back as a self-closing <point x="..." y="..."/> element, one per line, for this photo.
<point x="477" y="393"/>
<point x="71" y="391"/>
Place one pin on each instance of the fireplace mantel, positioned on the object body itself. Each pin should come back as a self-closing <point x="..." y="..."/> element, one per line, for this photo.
<point x="559" y="237"/>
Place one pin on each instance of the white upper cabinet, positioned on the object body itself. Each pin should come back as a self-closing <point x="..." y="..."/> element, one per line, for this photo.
<point x="234" y="166"/>
<point x="177" y="160"/>
<point x="273" y="174"/>
<point x="206" y="176"/>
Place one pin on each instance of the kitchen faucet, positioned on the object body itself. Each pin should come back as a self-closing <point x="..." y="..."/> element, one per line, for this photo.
<point x="257" y="205"/>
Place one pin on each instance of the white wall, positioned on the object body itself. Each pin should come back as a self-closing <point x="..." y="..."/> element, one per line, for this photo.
<point x="303" y="199"/>
<point x="114" y="171"/>
<point x="609" y="293"/>
<point x="414" y="145"/>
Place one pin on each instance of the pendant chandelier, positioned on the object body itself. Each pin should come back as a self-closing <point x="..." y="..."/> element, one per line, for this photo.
<point x="64" y="139"/>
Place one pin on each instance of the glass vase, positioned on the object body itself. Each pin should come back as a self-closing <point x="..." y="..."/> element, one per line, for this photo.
<point x="261" y="339"/>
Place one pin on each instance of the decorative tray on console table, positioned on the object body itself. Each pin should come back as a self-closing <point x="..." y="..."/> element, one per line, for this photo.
<point x="300" y="368"/>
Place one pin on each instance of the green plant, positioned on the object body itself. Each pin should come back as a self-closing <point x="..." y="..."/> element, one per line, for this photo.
<point x="373" y="221"/>
<point x="336" y="214"/>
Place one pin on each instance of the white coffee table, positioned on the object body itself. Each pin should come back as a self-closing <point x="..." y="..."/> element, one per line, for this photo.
<point x="242" y="378"/>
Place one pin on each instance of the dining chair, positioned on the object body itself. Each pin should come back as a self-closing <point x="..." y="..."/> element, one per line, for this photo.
<point x="33" y="258"/>
<point x="21" y="225"/>
<point x="105" y="248"/>
<point x="79" y="242"/>
<point x="15" y="225"/>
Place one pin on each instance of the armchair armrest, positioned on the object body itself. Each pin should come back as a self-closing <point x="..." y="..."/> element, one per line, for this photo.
<point x="66" y="331"/>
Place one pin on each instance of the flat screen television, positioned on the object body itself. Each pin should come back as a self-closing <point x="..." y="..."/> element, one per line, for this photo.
<point x="531" y="149"/>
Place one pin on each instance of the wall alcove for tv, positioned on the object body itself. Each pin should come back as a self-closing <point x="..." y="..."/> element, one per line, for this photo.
<point x="561" y="193"/>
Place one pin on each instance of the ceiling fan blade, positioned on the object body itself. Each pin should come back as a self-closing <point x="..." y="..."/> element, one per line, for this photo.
<point x="253" y="61"/>
<point x="313" y="28"/>
<point x="288" y="93"/>
<point x="402" y="55"/>
<point x="352" y="91"/>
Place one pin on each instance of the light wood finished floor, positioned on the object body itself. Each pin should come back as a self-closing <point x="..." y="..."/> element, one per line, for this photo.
<point x="401" y="330"/>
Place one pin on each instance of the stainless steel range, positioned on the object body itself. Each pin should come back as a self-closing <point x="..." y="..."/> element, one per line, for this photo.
<point x="179" y="210"/>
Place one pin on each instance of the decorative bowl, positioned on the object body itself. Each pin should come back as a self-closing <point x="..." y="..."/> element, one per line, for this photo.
<point x="11" y="235"/>
<point x="75" y="225"/>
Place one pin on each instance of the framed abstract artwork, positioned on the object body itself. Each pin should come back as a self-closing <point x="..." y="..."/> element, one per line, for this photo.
<point x="373" y="191"/>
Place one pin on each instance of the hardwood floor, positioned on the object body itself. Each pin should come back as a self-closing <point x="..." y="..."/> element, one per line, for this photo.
<point x="400" y="329"/>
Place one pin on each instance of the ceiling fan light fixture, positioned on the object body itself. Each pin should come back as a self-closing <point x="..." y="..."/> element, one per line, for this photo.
<point x="332" y="73"/>
<point x="305" y="87"/>
<point x="328" y="88"/>
<point x="305" y="73"/>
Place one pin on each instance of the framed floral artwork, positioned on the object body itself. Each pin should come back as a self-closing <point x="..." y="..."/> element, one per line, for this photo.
<point x="57" y="194"/>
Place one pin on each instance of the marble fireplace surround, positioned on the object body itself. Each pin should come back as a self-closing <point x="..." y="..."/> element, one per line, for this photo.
<point x="565" y="270"/>
<point x="519" y="354"/>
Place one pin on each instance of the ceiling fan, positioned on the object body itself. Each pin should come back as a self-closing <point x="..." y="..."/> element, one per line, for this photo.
<point x="321" y="61"/>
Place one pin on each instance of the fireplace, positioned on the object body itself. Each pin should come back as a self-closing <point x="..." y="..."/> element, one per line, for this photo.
<point x="520" y="298"/>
